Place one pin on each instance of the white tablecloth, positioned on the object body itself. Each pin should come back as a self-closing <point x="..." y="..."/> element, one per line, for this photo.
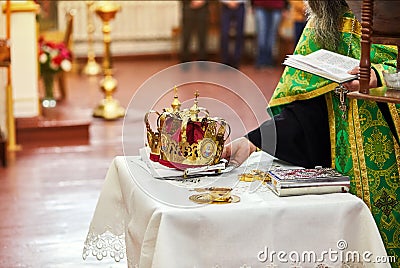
<point x="156" y="224"/>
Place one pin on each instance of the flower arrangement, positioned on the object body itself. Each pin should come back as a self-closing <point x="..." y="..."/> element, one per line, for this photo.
<point x="54" y="57"/>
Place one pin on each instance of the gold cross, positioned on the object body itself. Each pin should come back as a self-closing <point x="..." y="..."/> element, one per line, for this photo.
<point x="342" y="91"/>
<point x="303" y="50"/>
<point x="362" y="119"/>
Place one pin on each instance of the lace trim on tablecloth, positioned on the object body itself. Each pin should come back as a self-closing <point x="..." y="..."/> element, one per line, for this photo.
<point x="102" y="245"/>
<point x="113" y="245"/>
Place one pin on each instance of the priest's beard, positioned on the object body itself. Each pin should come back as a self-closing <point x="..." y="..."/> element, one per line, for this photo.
<point x="326" y="17"/>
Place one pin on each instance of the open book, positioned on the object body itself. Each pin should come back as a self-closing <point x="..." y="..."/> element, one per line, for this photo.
<point x="325" y="63"/>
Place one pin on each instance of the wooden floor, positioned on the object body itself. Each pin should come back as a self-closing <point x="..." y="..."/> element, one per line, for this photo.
<point x="48" y="193"/>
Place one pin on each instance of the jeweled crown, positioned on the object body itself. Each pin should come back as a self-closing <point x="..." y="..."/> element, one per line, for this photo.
<point x="186" y="138"/>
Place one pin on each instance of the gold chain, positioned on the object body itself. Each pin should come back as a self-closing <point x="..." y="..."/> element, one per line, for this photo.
<point x="341" y="90"/>
<point x="351" y="36"/>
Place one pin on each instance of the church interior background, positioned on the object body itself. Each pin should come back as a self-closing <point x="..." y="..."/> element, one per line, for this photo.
<point x="53" y="160"/>
<point x="57" y="157"/>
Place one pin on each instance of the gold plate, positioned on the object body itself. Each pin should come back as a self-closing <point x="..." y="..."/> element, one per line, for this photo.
<point x="206" y="199"/>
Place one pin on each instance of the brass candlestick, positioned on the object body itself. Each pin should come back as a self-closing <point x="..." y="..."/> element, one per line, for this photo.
<point x="91" y="67"/>
<point x="108" y="108"/>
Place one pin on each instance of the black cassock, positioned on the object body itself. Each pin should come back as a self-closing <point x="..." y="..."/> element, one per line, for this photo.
<point x="302" y="134"/>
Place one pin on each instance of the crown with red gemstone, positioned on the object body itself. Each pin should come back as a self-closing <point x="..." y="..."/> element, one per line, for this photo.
<point x="186" y="138"/>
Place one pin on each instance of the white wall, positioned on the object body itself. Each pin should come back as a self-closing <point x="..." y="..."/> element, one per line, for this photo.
<point x="139" y="27"/>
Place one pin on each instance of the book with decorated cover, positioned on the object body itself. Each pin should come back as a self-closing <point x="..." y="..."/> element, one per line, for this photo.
<point x="286" y="182"/>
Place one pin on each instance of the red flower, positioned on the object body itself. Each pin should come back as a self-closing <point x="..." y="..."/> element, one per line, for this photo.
<point x="53" y="57"/>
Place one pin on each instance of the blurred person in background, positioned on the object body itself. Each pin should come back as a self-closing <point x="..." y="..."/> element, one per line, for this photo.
<point x="195" y="20"/>
<point x="268" y="14"/>
<point x="232" y="18"/>
<point x="297" y="13"/>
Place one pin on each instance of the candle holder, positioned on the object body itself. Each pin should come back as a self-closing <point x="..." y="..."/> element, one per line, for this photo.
<point x="108" y="108"/>
<point x="91" y="67"/>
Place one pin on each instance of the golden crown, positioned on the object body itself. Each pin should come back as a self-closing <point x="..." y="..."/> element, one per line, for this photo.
<point x="186" y="138"/>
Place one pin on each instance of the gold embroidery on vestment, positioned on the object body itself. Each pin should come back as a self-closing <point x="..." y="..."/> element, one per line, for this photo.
<point x="353" y="147"/>
<point x="395" y="116"/>
<point x="332" y="127"/>
<point x="361" y="155"/>
<point x="349" y="27"/>
<point x="304" y="96"/>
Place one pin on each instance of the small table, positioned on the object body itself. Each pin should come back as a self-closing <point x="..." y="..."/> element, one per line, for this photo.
<point x="155" y="224"/>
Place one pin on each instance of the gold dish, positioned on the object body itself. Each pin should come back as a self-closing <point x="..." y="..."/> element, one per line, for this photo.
<point x="206" y="198"/>
<point x="254" y="175"/>
<point x="220" y="194"/>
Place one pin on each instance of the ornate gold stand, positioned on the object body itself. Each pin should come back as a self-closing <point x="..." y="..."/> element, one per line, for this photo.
<point x="108" y="108"/>
<point x="91" y="67"/>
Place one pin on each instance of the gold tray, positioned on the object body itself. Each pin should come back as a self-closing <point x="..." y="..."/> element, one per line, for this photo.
<point x="205" y="198"/>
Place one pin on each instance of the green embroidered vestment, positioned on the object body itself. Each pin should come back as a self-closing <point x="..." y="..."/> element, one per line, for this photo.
<point x="362" y="145"/>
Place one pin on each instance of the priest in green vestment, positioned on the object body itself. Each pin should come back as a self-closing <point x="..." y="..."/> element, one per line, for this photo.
<point x="311" y="129"/>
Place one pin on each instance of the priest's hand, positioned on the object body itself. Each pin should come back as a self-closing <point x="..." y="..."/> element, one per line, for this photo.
<point x="238" y="151"/>
<point x="355" y="84"/>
